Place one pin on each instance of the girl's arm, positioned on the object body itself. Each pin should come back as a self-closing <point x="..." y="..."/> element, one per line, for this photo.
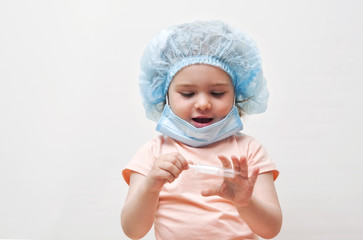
<point x="263" y="213"/>
<point x="138" y="212"/>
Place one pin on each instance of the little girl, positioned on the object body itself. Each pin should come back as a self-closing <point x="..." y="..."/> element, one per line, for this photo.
<point x="197" y="80"/>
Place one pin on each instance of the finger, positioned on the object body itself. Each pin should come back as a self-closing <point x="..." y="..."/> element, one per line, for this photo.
<point x="171" y="168"/>
<point x="225" y="161"/>
<point x="169" y="177"/>
<point x="210" y="192"/>
<point x="162" y="175"/>
<point x="183" y="163"/>
<point x="179" y="161"/>
<point x="254" y="175"/>
<point x="243" y="167"/>
<point x="176" y="160"/>
<point x="236" y="164"/>
<point x="190" y="162"/>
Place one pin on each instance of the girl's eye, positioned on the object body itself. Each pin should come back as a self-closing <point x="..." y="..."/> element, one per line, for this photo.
<point x="218" y="94"/>
<point x="187" y="94"/>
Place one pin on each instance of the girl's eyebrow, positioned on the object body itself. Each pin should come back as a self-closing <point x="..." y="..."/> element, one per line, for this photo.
<point x="221" y="84"/>
<point x="184" y="85"/>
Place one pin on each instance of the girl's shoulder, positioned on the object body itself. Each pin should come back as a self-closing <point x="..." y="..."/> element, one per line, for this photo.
<point x="242" y="137"/>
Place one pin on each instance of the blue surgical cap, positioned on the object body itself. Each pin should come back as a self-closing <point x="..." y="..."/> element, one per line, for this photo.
<point x="204" y="42"/>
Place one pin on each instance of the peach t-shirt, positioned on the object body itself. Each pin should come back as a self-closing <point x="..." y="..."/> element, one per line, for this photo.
<point x="182" y="212"/>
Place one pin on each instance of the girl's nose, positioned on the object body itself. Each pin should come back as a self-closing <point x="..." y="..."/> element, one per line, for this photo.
<point x="202" y="103"/>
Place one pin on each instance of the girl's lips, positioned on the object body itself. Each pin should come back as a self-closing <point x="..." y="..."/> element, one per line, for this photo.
<point x="202" y="121"/>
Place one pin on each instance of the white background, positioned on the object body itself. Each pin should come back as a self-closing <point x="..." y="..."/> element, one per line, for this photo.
<point x="71" y="114"/>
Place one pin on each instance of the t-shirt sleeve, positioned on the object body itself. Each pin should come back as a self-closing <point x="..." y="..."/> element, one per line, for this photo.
<point x="142" y="161"/>
<point x="258" y="157"/>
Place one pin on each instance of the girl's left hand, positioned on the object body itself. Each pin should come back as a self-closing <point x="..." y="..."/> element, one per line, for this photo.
<point x="238" y="189"/>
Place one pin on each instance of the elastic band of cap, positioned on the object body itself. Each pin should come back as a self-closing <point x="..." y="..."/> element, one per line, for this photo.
<point x="195" y="60"/>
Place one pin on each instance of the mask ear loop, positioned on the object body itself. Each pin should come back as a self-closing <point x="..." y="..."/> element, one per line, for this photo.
<point x="167" y="99"/>
<point x="234" y="101"/>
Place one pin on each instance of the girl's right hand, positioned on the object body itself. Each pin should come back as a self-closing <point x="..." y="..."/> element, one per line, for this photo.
<point x="166" y="168"/>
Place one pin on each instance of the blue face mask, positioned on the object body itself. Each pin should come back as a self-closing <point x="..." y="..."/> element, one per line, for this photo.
<point x="173" y="126"/>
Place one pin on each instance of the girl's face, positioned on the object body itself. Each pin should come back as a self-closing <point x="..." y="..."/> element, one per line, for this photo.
<point x="201" y="94"/>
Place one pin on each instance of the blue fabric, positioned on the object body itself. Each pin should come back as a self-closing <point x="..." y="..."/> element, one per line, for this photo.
<point x="173" y="126"/>
<point x="208" y="42"/>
